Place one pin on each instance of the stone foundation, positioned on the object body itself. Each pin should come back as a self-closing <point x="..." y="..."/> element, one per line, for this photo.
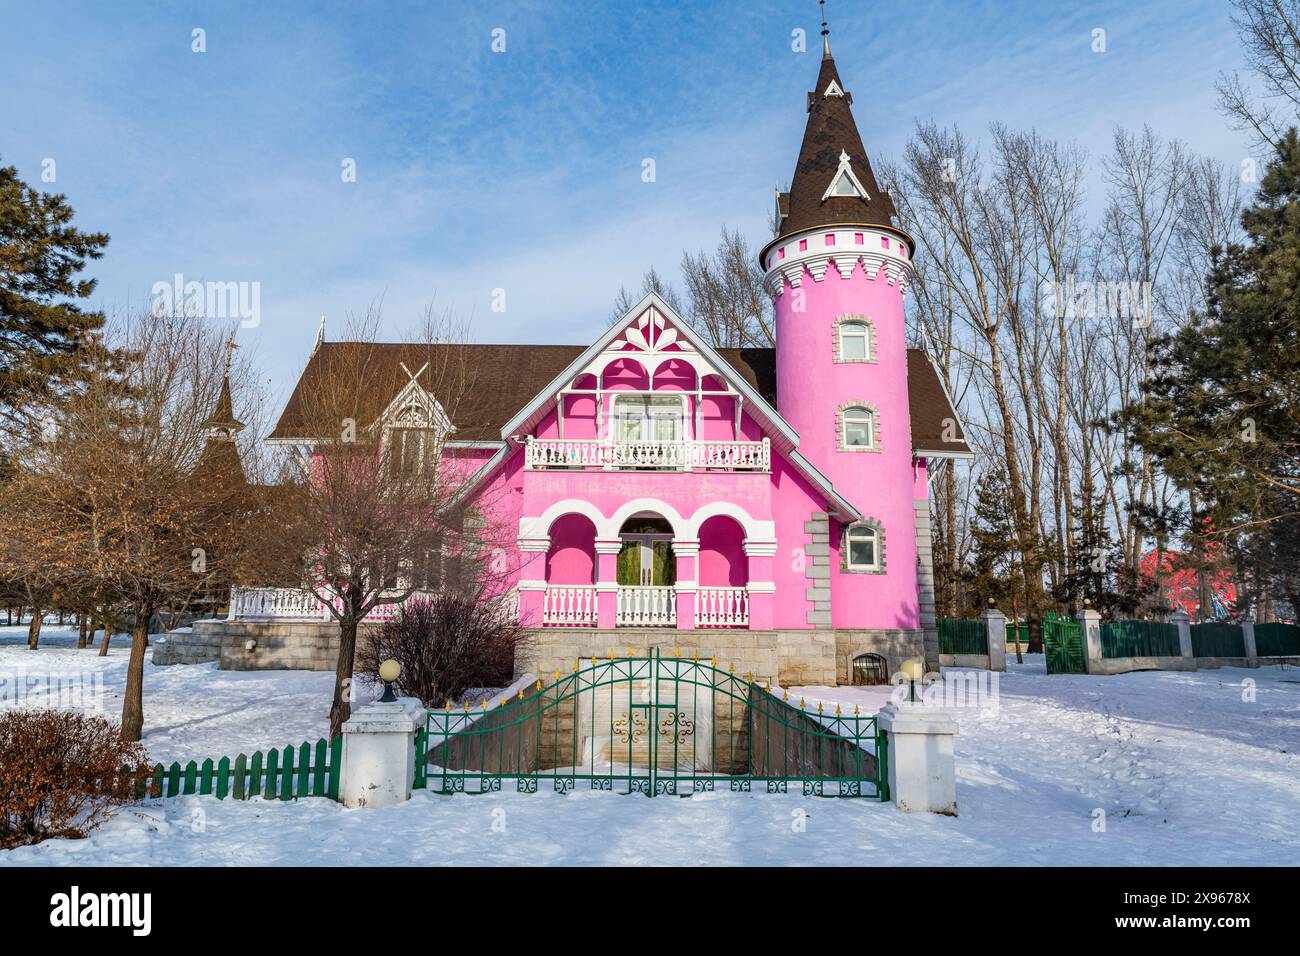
<point x="782" y="658"/>
<point x="774" y="658"/>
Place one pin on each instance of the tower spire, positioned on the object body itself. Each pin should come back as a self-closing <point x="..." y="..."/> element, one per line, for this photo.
<point x="826" y="33"/>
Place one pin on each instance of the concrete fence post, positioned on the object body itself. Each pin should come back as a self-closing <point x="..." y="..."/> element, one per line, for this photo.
<point x="922" y="768"/>
<point x="1248" y="635"/>
<point x="995" y="627"/>
<point x="1090" y="632"/>
<point x="1183" y="620"/>
<point x="379" y="753"/>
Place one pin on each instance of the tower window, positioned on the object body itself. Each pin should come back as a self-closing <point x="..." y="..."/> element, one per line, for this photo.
<point x="858" y="428"/>
<point x="862" y="548"/>
<point x="854" y="339"/>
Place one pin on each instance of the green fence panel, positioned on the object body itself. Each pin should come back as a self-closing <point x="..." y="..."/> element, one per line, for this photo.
<point x="304" y="770"/>
<point x="1276" y="639"/>
<point x="1022" y="629"/>
<point x="223" y="778"/>
<point x="336" y="761"/>
<point x="205" y="777"/>
<point x="1218" y="639"/>
<point x="318" y="770"/>
<point x="272" y="773"/>
<point x="962" y="636"/>
<point x="1139" y="639"/>
<point x="1062" y="645"/>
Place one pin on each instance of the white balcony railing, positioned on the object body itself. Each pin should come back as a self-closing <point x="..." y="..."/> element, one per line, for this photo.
<point x="646" y="607"/>
<point x="651" y="455"/>
<point x="722" y="607"/>
<point x="569" y="605"/>
<point x="291" y="604"/>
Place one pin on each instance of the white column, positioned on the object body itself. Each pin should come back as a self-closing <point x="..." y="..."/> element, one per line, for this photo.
<point x="1090" y="631"/>
<point x="1248" y="634"/>
<point x="995" y="625"/>
<point x="379" y="753"/>
<point x="1184" y="622"/>
<point x="922" y="768"/>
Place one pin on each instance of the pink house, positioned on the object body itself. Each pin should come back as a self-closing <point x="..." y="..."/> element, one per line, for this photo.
<point x="765" y="506"/>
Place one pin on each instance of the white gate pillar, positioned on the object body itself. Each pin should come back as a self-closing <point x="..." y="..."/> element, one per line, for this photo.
<point x="1183" y="621"/>
<point x="1248" y="636"/>
<point x="995" y="627"/>
<point x="1090" y="632"/>
<point x="922" y="768"/>
<point x="379" y="753"/>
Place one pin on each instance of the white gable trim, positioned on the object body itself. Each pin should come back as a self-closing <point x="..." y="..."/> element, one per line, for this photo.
<point x="846" y="169"/>
<point x="414" y="393"/>
<point x="833" y="90"/>
<point x="786" y="438"/>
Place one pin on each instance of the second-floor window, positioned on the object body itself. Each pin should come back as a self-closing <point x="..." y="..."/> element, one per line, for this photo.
<point x="408" y="452"/>
<point x="647" y="418"/>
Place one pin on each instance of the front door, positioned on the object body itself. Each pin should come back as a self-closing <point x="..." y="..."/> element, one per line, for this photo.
<point x="646" y="560"/>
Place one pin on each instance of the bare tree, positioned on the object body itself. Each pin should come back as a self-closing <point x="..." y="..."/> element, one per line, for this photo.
<point x="132" y="509"/>
<point x="1270" y="33"/>
<point x="382" y="507"/>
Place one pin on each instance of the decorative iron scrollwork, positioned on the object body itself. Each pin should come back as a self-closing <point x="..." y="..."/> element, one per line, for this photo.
<point x="632" y="728"/>
<point x="685" y="726"/>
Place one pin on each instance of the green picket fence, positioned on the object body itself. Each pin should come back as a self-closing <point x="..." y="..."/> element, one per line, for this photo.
<point x="1139" y="639"/>
<point x="1218" y="639"/>
<point x="308" y="771"/>
<point x="962" y="636"/>
<point x="1277" y="639"/>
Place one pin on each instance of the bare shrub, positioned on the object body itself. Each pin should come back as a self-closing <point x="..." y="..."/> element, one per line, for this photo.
<point x="446" y="644"/>
<point x="61" y="773"/>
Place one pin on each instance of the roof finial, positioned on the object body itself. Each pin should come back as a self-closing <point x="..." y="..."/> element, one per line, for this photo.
<point x="826" y="33"/>
<point x="230" y="351"/>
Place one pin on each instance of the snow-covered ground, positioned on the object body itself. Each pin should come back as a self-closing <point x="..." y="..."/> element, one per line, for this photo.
<point x="1189" y="769"/>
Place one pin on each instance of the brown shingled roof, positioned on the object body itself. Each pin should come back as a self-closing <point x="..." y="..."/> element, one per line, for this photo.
<point x="830" y="130"/>
<point x="502" y="379"/>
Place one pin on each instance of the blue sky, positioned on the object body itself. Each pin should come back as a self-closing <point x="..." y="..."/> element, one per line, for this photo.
<point x="521" y="170"/>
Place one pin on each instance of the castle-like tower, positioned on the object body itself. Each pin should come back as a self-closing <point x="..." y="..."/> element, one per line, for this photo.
<point x="837" y="270"/>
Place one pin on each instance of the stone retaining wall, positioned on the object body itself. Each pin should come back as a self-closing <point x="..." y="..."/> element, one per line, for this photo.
<point x="278" y="645"/>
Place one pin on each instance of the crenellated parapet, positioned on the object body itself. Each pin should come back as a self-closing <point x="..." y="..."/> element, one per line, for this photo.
<point x="846" y="247"/>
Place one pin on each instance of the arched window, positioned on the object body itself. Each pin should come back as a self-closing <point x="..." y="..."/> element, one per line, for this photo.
<point x="854" y="342"/>
<point x="862" y="548"/>
<point x="858" y="428"/>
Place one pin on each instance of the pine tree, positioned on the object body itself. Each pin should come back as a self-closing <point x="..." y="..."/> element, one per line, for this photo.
<point x="41" y="324"/>
<point x="1222" y="414"/>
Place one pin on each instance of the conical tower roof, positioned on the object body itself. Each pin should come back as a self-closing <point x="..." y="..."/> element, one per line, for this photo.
<point x="820" y="195"/>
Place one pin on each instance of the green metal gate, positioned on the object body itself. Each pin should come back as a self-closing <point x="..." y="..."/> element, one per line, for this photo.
<point x="1063" y="646"/>
<point x="651" y="725"/>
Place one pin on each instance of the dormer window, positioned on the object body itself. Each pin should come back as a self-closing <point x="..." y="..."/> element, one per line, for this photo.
<point x="844" y="182"/>
<point x="410" y="451"/>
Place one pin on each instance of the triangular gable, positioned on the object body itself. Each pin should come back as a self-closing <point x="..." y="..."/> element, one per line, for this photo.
<point x="414" y="407"/>
<point x="844" y="183"/>
<point x="833" y="89"/>
<point x="684" y="342"/>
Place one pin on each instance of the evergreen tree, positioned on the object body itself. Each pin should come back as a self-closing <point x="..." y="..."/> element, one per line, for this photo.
<point x="1222" y="414"/>
<point x="41" y="325"/>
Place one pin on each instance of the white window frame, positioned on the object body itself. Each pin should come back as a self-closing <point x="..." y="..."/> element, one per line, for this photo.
<point x="859" y="413"/>
<point x="853" y="329"/>
<point x="876" y="534"/>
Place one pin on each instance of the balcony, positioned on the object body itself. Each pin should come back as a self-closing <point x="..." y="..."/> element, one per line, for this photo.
<point x="605" y="455"/>
<point x="565" y="605"/>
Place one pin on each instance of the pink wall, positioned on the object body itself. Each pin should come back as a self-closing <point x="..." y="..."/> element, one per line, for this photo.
<point x="811" y="387"/>
<point x="572" y="557"/>
<point x="723" y="563"/>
